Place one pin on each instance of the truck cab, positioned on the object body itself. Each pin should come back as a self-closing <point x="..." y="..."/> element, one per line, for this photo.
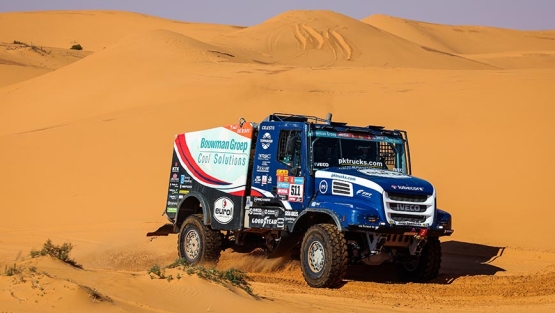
<point x="331" y="193"/>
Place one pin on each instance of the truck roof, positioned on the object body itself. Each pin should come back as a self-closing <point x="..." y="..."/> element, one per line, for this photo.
<point x="327" y="123"/>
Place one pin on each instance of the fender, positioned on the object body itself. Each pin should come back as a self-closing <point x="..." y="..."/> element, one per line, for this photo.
<point x="328" y="212"/>
<point x="206" y="211"/>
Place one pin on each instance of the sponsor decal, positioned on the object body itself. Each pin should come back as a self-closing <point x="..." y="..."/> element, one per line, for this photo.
<point x="256" y="211"/>
<point x="184" y="179"/>
<point x="266" y="141"/>
<point x="383" y="173"/>
<point x="344" y="161"/>
<point x="223" y="210"/>
<point x="172" y="203"/>
<point x="233" y="145"/>
<point x="270" y="180"/>
<point x="262" y="168"/>
<point x="283" y="185"/>
<point x="175" y="169"/>
<point x="291" y="213"/>
<point x="268" y="127"/>
<point x="266" y="220"/>
<point x="173" y="197"/>
<point x="257" y="179"/>
<point x="171" y="210"/>
<point x="183" y="192"/>
<point x="410" y="188"/>
<point x="181" y="196"/>
<point x="174" y="178"/>
<point x="283" y="191"/>
<point x="273" y="212"/>
<point x="185" y="186"/>
<point x="264" y="157"/>
<point x="264" y="179"/>
<point x="363" y="193"/>
<point x="282" y="173"/>
<point x="221" y="159"/>
<point x="323" y="186"/>
<point x="173" y="191"/>
<point x="344" y="177"/>
<point x="321" y="164"/>
<point x="174" y="185"/>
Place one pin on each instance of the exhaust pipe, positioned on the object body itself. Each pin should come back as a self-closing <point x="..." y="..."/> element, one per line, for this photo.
<point x="328" y="118"/>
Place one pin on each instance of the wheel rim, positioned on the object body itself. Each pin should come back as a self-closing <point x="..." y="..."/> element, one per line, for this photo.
<point x="412" y="265"/>
<point x="192" y="244"/>
<point x="316" y="256"/>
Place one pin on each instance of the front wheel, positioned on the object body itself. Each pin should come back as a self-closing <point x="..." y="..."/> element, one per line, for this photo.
<point x="425" y="267"/>
<point x="324" y="256"/>
<point x="198" y="243"/>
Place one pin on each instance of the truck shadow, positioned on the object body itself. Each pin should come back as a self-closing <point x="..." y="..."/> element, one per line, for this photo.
<point x="459" y="259"/>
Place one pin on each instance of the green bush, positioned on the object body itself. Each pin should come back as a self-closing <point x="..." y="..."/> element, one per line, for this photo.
<point x="59" y="252"/>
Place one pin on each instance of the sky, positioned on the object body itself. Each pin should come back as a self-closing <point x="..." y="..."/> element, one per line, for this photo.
<point x="517" y="14"/>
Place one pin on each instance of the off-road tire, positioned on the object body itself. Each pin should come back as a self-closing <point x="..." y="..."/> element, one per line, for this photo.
<point x="324" y="256"/>
<point x="428" y="264"/>
<point x="205" y="244"/>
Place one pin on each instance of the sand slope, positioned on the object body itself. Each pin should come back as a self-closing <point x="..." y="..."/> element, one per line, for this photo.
<point x="464" y="39"/>
<point x="21" y="61"/>
<point x="323" y="38"/>
<point x="94" y="30"/>
<point x="85" y="149"/>
<point x="504" y="48"/>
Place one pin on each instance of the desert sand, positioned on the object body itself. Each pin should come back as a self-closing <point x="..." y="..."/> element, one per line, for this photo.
<point x="86" y="139"/>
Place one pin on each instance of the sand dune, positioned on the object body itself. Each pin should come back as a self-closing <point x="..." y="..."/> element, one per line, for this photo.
<point x="324" y="38"/>
<point x="94" y="30"/>
<point x="136" y="60"/>
<point x="21" y="61"/>
<point x="85" y="147"/>
<point x="503" y="48"/>
<point x="463" y="39"/>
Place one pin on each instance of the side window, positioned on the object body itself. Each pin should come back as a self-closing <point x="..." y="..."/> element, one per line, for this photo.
<point x="289" y="148"/>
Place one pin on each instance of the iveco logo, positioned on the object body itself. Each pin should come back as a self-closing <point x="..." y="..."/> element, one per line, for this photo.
<point x="408" y="207"/>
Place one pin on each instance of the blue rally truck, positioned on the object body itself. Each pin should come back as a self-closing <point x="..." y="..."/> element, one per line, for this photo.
<point x="328" y="193"/>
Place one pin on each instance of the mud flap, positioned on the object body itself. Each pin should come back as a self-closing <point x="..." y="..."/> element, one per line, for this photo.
<point x="286" y="243"/>
<point x="162" y="231"/>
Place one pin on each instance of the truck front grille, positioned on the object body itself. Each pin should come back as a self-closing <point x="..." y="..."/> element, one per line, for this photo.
<point x="407" y="197"/>
<point x="403" y="218"/>
<point x="409" y="209"/>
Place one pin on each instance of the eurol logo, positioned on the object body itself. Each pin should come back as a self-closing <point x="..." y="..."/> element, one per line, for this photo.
<point x="411" y="188"/>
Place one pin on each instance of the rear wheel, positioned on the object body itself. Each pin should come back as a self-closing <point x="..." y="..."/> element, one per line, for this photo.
<point x="425" y="267"/>
<point x="198" y="243"/>
<point x="324" y="256"/>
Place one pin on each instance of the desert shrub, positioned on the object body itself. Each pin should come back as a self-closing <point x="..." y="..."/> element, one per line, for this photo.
<point x="59" y="252"/>
<point x="177" y="263"/>
<point x="39" y="50"/>
<point x="95" y="294"/>
<point x="232" y="276"/>
<point x="156" y="270"/>
<point x="12" y="270"/>
<point x="76" y="47"/>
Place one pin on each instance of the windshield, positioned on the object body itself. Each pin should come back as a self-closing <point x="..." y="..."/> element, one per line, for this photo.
<point x="332" y="149"/>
